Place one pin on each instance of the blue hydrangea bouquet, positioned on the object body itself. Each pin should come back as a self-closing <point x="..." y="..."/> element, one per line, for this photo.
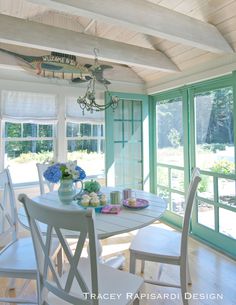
<point x="59" y="171"/>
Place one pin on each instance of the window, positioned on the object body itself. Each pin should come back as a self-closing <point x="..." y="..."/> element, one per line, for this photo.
<point x="85" y="139"/>
<point x="28" y="132"/>
<point x="25" y="145"/>
<point x="85" y="143"/>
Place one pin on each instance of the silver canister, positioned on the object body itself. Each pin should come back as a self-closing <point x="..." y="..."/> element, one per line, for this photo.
<point x="127" y="193"/>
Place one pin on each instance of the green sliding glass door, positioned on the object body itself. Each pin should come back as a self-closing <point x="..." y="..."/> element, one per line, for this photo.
<point x="126" y="128"/>
<point x="195" y="127"/>
<point x="213" y="151"/>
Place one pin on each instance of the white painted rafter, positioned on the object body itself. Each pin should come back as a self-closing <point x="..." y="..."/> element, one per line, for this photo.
<point x="148" y="18"/>
<point x="36" y="35"/>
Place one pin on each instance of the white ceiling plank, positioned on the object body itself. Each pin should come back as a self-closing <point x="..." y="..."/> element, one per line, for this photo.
<point x="147" y="18"/>
<point x="32" y="34"/>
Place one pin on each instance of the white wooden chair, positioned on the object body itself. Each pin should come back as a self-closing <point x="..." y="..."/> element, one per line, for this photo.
<point x="17" y="258"/>
<point x="44" y="185"/>
<point x="85" y="279"/>
<point x="166" y="247"/>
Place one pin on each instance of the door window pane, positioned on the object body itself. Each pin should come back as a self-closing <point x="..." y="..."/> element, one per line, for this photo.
<point x="214" y="130"/>
<point x="227" y="223"/>
<point x="205" y="189"/>
<point x="206" y="214"/>
<point x="177" y="179"/>
<point x="162" y="176"/>
<point x="227" y="192"/>
<point x="177" y="203"/>
<point x="170" y="132"/>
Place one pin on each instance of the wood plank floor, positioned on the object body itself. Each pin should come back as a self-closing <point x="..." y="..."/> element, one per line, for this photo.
<point x="213" y="275"/>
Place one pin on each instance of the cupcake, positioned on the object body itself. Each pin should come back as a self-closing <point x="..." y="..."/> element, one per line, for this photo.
<point x="94" y="201"/>
<point x="132" y="201"/>
<point x="103" y="199"/>
<point x="84" y="202"/>
<point x="85" y="197"/>
<point x="93" y="194"/>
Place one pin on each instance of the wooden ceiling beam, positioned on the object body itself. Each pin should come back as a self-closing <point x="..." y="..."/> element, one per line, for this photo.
<point x="148" y="18"/>
<point x="36" y="35"/>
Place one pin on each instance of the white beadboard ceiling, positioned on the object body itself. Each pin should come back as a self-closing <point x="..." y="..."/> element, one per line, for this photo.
<point x="144" y="41"/>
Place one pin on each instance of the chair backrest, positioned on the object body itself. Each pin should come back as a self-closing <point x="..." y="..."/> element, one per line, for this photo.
<point x="8" y="215"/>
<point x="58" y="222"/>
<point x="192" y="189"/>
<point x="43" y="183"/>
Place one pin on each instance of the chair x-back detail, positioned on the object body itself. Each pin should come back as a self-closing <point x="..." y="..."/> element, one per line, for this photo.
<point x="17" y="259"/>
<point x="167" y="247"/>
<point x="85" y="279"/>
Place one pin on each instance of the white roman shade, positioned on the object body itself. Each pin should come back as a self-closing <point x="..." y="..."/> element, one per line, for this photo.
<point x="74" y="113"/>
<point x="29" y="107"/>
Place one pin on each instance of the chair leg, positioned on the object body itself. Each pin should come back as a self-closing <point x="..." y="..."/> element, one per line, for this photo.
<point x="183" y="282"/>
<point x="142" y="265"/>
<point x="132" y="264"/>
<point x="188" y="274"/>
<point x="60" y="259"/>
<point x="38" y="289"/>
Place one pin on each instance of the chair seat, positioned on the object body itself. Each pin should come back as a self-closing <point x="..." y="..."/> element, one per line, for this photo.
<point x="153" y="241"/>
<point x="112" y="282"/>
<point x="19" y="258"/>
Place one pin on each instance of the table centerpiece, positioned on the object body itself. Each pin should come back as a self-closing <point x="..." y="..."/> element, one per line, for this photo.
<point x="67" y="173"/>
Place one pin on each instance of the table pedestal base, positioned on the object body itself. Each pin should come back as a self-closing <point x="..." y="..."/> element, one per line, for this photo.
<point x="116" y="262"/>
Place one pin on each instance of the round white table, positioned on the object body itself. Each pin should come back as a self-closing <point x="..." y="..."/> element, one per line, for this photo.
<point x="109" y="224"/>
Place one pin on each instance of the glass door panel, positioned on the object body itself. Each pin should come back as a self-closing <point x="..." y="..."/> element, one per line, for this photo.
<point x="170" y="153"/>
<point x="214" y="130"/>
<point x="213" y="151"/>
<point x="170" y="132"/>
<point x="124" y="142"/>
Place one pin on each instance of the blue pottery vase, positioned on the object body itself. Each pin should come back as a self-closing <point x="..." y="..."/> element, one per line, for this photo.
<point x="66" y="191"/>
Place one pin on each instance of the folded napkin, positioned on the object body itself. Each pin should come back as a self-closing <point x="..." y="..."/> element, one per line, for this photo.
<point x="111" y="209"/>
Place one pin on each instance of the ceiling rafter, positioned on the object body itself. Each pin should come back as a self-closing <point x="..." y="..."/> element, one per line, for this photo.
<point x="36" y="35"/>
<point x="147" y="18"/>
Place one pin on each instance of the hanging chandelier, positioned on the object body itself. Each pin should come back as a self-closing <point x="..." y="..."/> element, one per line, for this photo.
<point x="88" y="101"/>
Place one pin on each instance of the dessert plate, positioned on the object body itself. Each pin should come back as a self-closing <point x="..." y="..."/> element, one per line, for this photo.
<point x="140" y="204"/>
